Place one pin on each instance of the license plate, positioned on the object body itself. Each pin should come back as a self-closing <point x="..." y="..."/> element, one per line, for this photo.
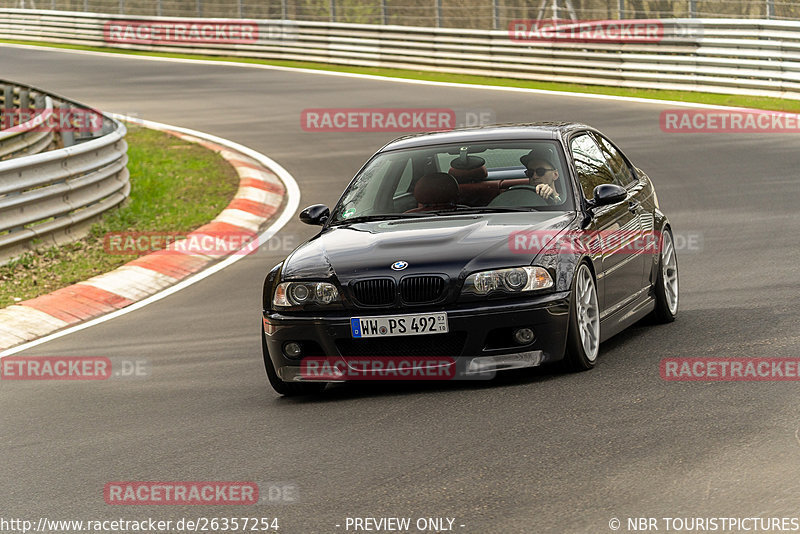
<point x="399" y="325"/>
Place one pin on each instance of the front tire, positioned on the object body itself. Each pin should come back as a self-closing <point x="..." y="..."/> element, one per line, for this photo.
<point x="287" y="389"/>
<point x="666" y="288"/>
<point x="583" y="337"/>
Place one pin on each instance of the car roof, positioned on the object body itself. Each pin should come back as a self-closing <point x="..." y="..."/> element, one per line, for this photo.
<point x="497" y="132"/>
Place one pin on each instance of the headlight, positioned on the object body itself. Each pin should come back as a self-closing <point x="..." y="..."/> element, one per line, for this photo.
<point x="514" y="280"/>
<point x="293" y="294"/>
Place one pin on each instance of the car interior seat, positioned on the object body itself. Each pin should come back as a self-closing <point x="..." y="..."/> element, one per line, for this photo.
<point x="470" y="172"/>
<point x="437" y="190"/>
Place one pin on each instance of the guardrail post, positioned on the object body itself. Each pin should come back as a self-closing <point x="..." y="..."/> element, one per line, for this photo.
<point x="333" y="10"/>
<point x="199" y="8"/>
<point x="495" y="14"/>
<point x="121" y="7"/>
<point x="239" y="8"/>
<point x="770" y="9"/>
<point x="67" y="137"/>
<point x="159" y="8"/>
<point x="438" y="13"/>
<point x="39" y="101"/>
<point x="621" y="9"/>
<point x="692" y="9"/>
<point x="283" y="10"/>
<point x="384" y="13"/>
<point x="8" y="106"/>
<point x="24" y="100"/>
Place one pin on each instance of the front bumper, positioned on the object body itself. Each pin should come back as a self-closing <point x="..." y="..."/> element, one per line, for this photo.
<point x="475" y="347"/>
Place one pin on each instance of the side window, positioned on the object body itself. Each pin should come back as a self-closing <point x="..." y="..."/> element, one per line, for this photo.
<point x="590" y="164"/>
<point x="623" y="175"/>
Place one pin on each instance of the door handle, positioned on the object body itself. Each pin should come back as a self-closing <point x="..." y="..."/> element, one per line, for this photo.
<point x="633" y="206"/>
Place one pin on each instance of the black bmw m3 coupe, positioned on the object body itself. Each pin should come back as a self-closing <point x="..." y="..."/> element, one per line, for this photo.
<point x="460" y="254"/>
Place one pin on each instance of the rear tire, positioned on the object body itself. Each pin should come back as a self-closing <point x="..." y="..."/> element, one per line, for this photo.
<point x="583" y="337"/>
<point x="666" y="289"/>
<point x="287" y="389"/>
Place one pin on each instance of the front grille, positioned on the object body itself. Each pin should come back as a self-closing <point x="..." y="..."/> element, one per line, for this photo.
<point x="421" y="289"/>
<point x="450" y="344"/>
<point x="375" y="292"/>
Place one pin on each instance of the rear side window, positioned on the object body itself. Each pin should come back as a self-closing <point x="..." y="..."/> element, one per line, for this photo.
<point x="623" y="175"/>
<point x="590" y="164"/>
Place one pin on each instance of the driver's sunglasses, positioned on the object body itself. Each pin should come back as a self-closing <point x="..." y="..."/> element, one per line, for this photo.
<point x="540" y="171"/>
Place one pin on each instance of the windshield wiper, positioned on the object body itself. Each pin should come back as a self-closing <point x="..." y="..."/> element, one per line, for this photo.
<point x="379" y="217"/>
<point x="479" y="209"/>
<point x="453" y="211"/>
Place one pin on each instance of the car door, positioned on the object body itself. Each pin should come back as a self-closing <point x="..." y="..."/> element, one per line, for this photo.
<point x="625" y="176"/>
<point x="616" y="228"/>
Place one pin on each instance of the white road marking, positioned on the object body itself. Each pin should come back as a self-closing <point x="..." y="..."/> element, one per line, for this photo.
<point x="381" y="78"/>
<point x="293" y="202"/>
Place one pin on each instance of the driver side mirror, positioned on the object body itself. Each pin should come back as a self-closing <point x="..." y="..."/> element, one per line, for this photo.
<point x="605" y="194"/>
<point x="318" y="214"/>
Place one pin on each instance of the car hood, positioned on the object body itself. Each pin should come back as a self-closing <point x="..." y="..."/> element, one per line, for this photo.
<point x="453" y="245"/>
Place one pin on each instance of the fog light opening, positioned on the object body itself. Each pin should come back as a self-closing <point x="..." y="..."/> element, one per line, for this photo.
<point x="523" y="336"/>
<point x="293" y="349"/>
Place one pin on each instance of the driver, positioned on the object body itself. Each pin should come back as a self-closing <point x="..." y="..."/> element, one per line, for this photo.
<point x="542" y="175"/>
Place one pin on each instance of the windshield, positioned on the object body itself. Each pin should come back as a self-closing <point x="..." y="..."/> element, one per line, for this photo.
<point x="458" y="178"/>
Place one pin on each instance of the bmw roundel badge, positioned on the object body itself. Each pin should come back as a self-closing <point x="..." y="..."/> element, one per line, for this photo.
<point x="399" y="265"/>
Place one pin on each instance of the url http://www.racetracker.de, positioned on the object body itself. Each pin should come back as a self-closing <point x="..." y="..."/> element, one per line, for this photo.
<point x="149" y="525"/>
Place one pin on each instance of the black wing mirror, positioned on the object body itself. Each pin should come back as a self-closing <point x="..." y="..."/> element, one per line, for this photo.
<point x="605" y="194"/>
<point x="317" y="214"/>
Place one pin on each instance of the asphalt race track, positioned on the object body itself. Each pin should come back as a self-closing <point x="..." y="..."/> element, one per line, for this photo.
<point x="532" y="452"/>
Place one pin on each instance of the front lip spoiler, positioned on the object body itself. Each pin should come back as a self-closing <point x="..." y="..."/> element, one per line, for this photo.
<point x="504" y="362"/>
<point x="474" y="368"/>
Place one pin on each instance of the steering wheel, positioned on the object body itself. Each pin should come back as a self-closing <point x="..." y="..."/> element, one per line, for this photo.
<point x="519" y="196"/>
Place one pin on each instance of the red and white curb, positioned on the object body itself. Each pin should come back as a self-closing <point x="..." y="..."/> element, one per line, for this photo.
<point x="263" y="188"/>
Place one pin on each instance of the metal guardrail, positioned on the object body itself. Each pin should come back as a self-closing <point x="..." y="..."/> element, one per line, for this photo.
<point x="475" y="14"/>
<point x="730" y="56"/>
<point x="25" y="138"/>
<point x="53" y="196"/>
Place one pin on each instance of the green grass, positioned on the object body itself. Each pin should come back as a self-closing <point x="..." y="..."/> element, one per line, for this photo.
<point x="779" y="104"/>
<point x="176" y="186"/>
